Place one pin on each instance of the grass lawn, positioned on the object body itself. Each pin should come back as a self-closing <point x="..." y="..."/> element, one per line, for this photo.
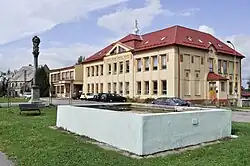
<point x="29" y="141"/>
<point x="13" y="100"/>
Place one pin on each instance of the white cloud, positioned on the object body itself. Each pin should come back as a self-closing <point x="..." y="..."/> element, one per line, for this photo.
<point x="207" y="29"/>
<point x="54" y="57"/>
<point x="188" y="12"/>
<point x="26" y="17"/>
<point x="122" y="21"/>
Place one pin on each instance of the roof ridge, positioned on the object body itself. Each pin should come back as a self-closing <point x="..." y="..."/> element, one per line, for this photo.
<point x="160" y="30"/>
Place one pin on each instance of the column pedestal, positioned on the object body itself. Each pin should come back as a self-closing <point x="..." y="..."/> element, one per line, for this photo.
<point x="35" y="95"/>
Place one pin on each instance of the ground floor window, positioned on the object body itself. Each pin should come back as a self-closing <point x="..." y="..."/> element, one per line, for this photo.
<point x="164" y="87"/>
<point x="138" y="87"/>
<point x="127" y="87"/>
<point x="222" y="86"/>
<point x="114" y="88"/>
<point x="88" y="88"/>
<point x="101" y="87"/>
<point x="97" y="88"/>
<point x="121" y="88"/>
<point x="109" y="87"/>
<point x="146" y="85"/>
<point x="155" y="87"/>
<point x="230" y="88"/>
<point x="92" y="88"/>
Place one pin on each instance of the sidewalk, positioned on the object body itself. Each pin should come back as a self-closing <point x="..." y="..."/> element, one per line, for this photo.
<point x="4" y="160"/>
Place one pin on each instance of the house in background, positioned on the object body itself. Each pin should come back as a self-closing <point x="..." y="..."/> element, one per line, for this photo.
<point x="172" y="62"/>
<point x="66" y="80"/>
<point x="23" y="78"/>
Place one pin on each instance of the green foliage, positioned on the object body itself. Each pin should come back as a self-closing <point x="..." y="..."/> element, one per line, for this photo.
<point x="80" y="59"/>
<point x="43" y="82"/>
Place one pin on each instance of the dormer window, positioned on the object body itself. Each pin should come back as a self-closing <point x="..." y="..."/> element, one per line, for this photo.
<point x="189" y="38"/>
<point x="209" y="43"/>
<point x="200" y="41"/>
<point x="146" y="42"/>
<point x="100" y="53"/>
<point x="163" y="38"/>
<point x="219" y="45"/>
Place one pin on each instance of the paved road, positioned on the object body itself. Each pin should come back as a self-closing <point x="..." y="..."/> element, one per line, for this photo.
<point x="241" y="116"/>
<point x="4" y="161"/>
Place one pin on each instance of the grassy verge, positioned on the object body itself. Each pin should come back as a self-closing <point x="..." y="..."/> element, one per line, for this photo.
<point x="13" y="100"/>
<point x="29" y="141"/>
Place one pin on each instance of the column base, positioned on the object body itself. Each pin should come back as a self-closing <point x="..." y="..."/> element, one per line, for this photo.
<point x="35" y="95"/>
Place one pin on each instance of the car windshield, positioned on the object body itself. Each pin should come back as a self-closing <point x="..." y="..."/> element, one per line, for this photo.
<point x="89" y="94"/>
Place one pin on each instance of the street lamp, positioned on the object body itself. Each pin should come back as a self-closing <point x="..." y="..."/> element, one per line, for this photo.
<point x="234" y="83"/>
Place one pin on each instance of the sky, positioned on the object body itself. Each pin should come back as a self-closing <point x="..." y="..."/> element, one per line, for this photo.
<point x="72" y="28"/>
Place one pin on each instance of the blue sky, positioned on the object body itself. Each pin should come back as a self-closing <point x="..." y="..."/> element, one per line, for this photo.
<point x="71" y="28"/>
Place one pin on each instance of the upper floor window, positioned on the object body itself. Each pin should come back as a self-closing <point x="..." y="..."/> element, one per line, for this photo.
<point x="115" y="68"/>
<point x="146" y="63"/>
<point x="113" y="51"/>
<point x="71" y="75"/>
<point x="202" y="60"/>
<point x="224" y="67"/>
<point x="121" y="50"/>
<point x="211" y="65"/>
<point x="163" y="61"/>
<point x="101" y="69"/>
<point x="121" y="67"/>
<point x="97" y="70"/>
<point x="109" y="68"/>
<point x="155" y="60"/>
<point x="92" y="70"/>
<point x="127" y="66"/>
<point x="219" y="66"/>
<point x="88" y="71"/>
<point x="192" y="59"/>
<point x="139" y="64"/>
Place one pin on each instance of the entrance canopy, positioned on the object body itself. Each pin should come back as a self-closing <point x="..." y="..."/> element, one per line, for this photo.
<point x="211" y="76"/>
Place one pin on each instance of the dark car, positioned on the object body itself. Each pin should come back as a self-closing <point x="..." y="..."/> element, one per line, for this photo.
<point x="172" y="101"/>
<point x="97" y="97"/>
<point x="76" y="95"/>
<point x="111" y="97"/>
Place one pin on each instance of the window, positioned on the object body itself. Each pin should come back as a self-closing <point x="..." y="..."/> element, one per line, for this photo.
<point x="146" y="63"/>
<point x="222" y="86"/>
<point x="97" y="70"/>
<point x="113" y="51"/>
<point x="202" y="60"/>
<point x="92" y="70"/>
<point x="71" y="75"/>
<point x="163" y="61"/>
<point x="192" y="59"/>
<point x="230" y="88"/>
<point x="92" y="88"/>
<point x="88" y="88"/>
<point x="127" y="87"/>
<point x="224" y="67"/>
<point x="121" y="88"/>
<point x="115" y="68"/>
<point x="121" y="67"/>
<point x="127" y="66"/>
<point x="97" y="88"/>
<point x="187" y="84"/>
<point x="164" y="87"/>
<point x="146" y="85"/>
<point x="211" y="65"/>
<point x="101" y="87"/>
<point x="121" y="50"/>
<point x="114" y="88"/>
<point x="155" y="61"/>
<point x="138" y="65"/>
<point x="63" y="75"/>
<point x="197" y="87"/>
<point x="231" y="67"/>
<point x="219" y="66"/>
<point x="139" y="87"/>
<point x="109" y="87"/>
<point x="109" y="68"/>
<point x="181" y="58"/>
<point x="101" y="69"/>
<point x="155" y="87"/>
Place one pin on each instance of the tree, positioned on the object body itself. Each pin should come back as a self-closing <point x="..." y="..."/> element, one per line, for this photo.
<point x="43" y="81"/>
<point x="4" y="81"/>
<point x="80" y="60"/>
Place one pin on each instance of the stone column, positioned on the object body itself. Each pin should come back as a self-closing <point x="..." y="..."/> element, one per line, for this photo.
<point x="35" y="91"/>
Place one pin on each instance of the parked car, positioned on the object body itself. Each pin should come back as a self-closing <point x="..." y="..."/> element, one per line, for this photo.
<point x="76" y="95"/>
<point x="173" y="101"/>
<point x="111" y="97"/>
<point x="97" y="97"/>
<point x="87" y="96"/>
<point x="26" y="95"/>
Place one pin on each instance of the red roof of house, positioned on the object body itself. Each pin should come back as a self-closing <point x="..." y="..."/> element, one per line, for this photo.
<point x="173" y="35"/>
<point x="211" y="76"/>
<point x="245" y="93"/>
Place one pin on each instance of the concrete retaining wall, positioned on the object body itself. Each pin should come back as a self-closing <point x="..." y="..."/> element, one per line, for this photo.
<point x="144" y="134"/>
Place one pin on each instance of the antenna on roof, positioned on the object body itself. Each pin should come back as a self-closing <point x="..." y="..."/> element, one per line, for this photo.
<point x="136" y="28"/>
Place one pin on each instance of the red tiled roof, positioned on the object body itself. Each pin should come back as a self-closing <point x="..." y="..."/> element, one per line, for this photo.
<point x="211" y="76"/>
<point x="245" y="93"/>
<point x="173" y="35"/>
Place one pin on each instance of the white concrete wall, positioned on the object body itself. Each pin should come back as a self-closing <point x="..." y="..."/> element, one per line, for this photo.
<point x="119" y="129"/>
<point x="179" y="129"/>
<point x="144" y="134"/>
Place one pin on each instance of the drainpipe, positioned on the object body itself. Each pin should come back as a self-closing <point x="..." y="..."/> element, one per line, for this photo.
<point x="179" y="71"/>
